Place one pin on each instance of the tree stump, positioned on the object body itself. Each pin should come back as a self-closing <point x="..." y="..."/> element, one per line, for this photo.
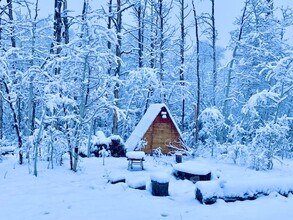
<point x="160" y="184"/>
<point x="178" y="158"/>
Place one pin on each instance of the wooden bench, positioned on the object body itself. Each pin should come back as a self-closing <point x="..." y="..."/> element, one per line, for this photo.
<point x="135" y="158"/>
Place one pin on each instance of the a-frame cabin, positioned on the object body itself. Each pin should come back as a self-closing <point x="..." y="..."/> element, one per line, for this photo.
<point x="158" y="128"/>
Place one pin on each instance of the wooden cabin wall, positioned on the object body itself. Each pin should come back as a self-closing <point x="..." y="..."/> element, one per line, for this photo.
<point x="161" y="133"/>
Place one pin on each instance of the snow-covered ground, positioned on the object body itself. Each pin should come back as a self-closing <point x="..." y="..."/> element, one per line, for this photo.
<point x="87" y="194"/>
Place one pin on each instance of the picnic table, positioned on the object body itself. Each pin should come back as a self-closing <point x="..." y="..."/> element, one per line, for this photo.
<point x="135" y="158"/>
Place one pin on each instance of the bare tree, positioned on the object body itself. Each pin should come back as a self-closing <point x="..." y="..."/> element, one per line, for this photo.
<point x="56" y="45"/>
<point x="182" y="45"/>
<point x="65" y="22"/>
<point x="119" y="52"/>
<point x="231" y="64"/>
<point x="16" y="118"/>
<point x="141" y="12"/>
<point x="118" y="68"/>
<point x="1" y="98"/>
<point x="198" y="89"/>
<point x="214" y="36"/>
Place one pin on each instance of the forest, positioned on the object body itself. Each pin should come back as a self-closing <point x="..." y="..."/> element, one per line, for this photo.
<point x="67" y="76"/>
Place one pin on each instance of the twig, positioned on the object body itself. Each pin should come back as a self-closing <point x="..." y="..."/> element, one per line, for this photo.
<point x="5" y="174"/>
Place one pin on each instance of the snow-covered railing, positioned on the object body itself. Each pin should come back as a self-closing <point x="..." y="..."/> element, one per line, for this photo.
<point x="207" y="192"/>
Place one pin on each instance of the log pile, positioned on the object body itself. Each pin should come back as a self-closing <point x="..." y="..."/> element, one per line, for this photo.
<point x="209" y="192"/>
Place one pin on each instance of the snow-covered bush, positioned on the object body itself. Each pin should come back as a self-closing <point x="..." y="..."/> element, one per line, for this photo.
<point x="99" y="142"/>
<point x="113" y="144"/>
<point x="236" y="152"/>
<point x="212" y="122"/>
<point x="141" y="144"/>
<point x="117" y="146"/>
<point x="269" y="141"/>
<point x="157" y="152"/>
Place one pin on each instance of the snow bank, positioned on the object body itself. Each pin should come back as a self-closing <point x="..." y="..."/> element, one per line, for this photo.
<point x="230" y="191"/>
<point x="135" y="154"/>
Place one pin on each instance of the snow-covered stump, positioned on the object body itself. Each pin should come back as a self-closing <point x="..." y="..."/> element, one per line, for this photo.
<point x="160" y="184"/>
<point x="137" y="183"/>
<point x="231" y="191"/>
<point x="207" y="192"/>
<point x="116" y="178"/>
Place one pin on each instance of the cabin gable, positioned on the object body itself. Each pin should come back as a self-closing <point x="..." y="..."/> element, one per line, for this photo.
<point x="158" y="129"/>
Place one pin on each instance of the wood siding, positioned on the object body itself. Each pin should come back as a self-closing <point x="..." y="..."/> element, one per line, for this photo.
<point x="162" y="133"/>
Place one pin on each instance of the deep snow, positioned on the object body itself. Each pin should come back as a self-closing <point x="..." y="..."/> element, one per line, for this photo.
<point x="87" y="194"/>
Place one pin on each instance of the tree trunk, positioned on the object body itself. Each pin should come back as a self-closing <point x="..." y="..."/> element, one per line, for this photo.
<point x="1" y="98"/>
<point x="118" y="68"/>
<point x="15" y="121"/>
<point x="140" y="37"/>
<point x="214" y="54"/>
<point x="231" y="64"/>
<point x="161" y="48"/>
<point x="109" y="26"/>
<point x="198" y="89"/>
<point x="153" y="37"/>
<point x="1" y="112"/>
<point x="141" y="10"/>
<point x="65" y="22"/>
<point x="11" y="19"/>
<point x="36" y="145"/>
<point x="57" y="31"/>
<point x="182" y="60"/>
<point x="14" y="113"/>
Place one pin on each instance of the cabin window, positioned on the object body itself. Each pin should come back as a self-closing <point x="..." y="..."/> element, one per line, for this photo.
<point x="164" y="114"/>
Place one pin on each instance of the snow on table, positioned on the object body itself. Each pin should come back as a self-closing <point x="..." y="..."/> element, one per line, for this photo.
<point x="135" y="155"/>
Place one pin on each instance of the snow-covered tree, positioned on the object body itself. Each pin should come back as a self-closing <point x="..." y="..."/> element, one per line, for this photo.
<point x="212" y="121"/>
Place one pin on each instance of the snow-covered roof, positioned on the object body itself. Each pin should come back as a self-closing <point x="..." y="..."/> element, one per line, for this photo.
<point x="146" y="121"/>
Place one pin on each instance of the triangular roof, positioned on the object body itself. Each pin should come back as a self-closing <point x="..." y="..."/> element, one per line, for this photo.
<point x="144" y="124"/>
